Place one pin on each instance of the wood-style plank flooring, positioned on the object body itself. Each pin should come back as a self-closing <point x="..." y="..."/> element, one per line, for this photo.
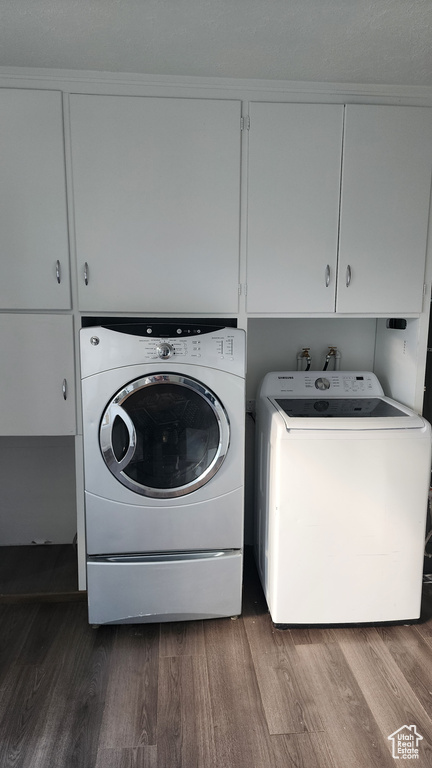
<point x="209" y="694"/>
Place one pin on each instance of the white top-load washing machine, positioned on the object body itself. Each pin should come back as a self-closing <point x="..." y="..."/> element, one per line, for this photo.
<point x="163" y="428"/>
<point x="342" y="490"/>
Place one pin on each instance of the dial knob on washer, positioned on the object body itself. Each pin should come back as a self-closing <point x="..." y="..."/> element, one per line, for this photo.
<point x="164" y="350"/>
<point x="322" y="383"/>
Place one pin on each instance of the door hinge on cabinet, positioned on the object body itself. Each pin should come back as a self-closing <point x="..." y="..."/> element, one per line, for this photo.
<point x="245" y="123"/>
<point x="242" y="288"/>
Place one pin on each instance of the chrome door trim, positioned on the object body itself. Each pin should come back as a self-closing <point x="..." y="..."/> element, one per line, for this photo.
<point x="114" y="409"/>
<point x="112" y="412"/>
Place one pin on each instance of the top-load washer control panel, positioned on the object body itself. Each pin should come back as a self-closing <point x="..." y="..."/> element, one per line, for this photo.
<point x="313" y="383"/>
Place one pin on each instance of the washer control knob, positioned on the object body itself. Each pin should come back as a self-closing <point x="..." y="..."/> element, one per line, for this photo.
<point x="164" y="351"/>
<point x="322" y="383"/>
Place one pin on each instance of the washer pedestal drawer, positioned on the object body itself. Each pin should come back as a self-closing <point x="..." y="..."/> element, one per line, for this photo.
<point x="132" y="589"/>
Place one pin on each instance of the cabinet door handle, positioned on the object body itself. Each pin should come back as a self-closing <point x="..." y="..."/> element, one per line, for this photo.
<point x="327" y="276"/>
<point x="348" y="276"/>
<point x="58" y="271"/>
<point x="86" y="273"/>
<point x="64" y="389"/>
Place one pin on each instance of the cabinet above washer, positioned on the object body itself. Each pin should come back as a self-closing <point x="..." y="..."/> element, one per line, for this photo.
<point x="156" y="184"/>
<point x="338" y="208"/>
<point x="385" y="199"/>
<point x="293" y="206"/>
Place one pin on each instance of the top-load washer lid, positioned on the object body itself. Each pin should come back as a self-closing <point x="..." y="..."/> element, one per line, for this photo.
<point x="346" y="414"/>
<point x="333" y="408"/>
<point x="340" y="400"/>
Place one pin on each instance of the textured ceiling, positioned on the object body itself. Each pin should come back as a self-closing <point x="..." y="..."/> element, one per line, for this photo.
<point x="356" y="41"/>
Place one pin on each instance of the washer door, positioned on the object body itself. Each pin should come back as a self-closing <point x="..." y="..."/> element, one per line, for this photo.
<point x="164" y="435"/>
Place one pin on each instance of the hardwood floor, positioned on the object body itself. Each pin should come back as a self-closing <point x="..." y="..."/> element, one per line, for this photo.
<point x="219" y="693"/>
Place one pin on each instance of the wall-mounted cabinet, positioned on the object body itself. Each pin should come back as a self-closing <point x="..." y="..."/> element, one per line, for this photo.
<point x="385" y="198"/>
<point x="156" y="184"/>
<point x="34" y="250"/>
<point x="293" y="206"/>
<point x="338" y="220"/>
<point x="37" y="381"/>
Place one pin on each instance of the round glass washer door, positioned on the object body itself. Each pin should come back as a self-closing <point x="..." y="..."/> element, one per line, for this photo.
<point x="164" y="435"/>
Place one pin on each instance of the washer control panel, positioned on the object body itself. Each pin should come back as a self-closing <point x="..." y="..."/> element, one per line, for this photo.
<point x="104" y="349"/>
<point x="222" y="347"/>
<point x="311" y="383"/>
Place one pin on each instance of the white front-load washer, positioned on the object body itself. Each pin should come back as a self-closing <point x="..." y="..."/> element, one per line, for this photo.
<point x="163" y="430"/>
<point x="342" y="490"/>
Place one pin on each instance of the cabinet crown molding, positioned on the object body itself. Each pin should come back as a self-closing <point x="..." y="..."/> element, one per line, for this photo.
<point x="89" y="81"/>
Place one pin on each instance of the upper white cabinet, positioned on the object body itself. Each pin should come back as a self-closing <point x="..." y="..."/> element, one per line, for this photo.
<point x="37" y="375"/>
<point x="386" y="183"/>
<point x="34" y="254"/>
<point x="322" y="240"/>
<point x="156" y="202"/>
<point x="293" y="206"/>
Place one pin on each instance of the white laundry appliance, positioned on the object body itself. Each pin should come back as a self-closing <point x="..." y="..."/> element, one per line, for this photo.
<point x="342" y="489"/>
<point x="163" y="419"/>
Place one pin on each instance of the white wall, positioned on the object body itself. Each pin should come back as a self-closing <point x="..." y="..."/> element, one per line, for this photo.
<point x="273" y="344"/>
<point x="396" y="359"/>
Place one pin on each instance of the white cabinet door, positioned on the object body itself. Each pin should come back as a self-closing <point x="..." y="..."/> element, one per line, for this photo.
<point x="36" y="375"/>
<point x="386" y="181"/>
<point x="156" y="195"/>
<point x="34" y="255"/>
<point x="293" y="206"/>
